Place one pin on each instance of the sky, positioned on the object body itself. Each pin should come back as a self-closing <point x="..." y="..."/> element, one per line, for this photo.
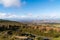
<point x="26" y="9"/>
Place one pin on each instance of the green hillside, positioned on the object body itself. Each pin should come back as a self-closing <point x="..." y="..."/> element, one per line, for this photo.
<point x="12" y="29"/>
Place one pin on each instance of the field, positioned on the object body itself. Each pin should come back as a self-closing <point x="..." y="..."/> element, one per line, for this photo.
<point x="56" y="38"/>
<point x="13" y="30"/>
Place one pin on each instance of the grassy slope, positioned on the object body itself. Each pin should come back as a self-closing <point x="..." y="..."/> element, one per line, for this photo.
<point x="30" y="30"/>
<point x="4" y="35"/>
<point x="56" y="38"/>
<point x="8" y="22"/>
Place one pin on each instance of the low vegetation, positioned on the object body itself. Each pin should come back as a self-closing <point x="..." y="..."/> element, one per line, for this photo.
<point x="10" y="29"/>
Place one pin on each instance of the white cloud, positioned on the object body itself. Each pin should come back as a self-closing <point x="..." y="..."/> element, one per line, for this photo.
<point x="5" y="15"/>
<point x="9" y="15"/>
<point x="49" y="16"/>
<point x="29" y="14"/>
<point x="42" y="16"/>
<point x="9" y="3"/>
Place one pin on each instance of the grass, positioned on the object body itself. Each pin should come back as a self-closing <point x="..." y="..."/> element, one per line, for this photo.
<point x="56" y="38"/>
<point x="23" y="28"/>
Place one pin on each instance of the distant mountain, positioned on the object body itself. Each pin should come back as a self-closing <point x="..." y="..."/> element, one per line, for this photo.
<point x="46" y="21"/>
<point x="40" y="21"/>
<point x="34" y="20"/>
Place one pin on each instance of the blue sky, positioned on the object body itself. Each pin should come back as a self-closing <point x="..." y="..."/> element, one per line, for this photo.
<point x="42" y="9"/>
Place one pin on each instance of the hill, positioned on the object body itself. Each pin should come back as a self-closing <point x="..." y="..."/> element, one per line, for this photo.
<point x="9" y="22"/>
<point x="11" y="29"/>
